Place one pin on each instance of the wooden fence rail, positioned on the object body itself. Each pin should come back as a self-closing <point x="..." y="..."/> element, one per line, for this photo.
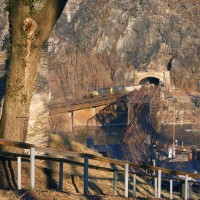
<point x="85" y="164"/>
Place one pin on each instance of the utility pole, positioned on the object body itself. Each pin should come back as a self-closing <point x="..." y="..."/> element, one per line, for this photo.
<point x="173" y="134"/>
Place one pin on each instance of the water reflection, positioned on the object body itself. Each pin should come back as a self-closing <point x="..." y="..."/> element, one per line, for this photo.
<point x="183" y="132"/>
<point x="102" y="135"/>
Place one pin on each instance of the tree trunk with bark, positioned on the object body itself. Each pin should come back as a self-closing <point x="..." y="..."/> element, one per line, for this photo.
<point x="28" y="33"/>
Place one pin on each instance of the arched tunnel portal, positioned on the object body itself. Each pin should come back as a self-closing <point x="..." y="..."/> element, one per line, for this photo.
<point x="150" y="80"/>
<point x="153" y="77"/>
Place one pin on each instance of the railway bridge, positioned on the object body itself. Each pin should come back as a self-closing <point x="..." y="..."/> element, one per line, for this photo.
<point x="97" y="111"/>
<point x="111" y="110"/>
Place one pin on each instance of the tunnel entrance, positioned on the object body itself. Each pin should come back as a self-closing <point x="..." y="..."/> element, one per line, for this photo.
<point x="150" y="80"/>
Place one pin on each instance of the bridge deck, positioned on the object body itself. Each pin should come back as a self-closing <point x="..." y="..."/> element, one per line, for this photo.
<point x="70" y="106"/>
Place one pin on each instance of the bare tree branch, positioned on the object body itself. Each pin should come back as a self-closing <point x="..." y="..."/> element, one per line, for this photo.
<point x="48" y="16"/>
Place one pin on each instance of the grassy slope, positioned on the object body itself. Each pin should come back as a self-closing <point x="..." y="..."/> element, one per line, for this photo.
<point x="101" y="184"/>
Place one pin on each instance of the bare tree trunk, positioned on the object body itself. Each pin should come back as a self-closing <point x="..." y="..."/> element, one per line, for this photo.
<point x="17" y="100"/>
<point x="28" y="34"/>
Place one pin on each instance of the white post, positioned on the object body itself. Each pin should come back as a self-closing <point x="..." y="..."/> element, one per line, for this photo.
<point x="126" y="180"/>
<point x="32" y="162"/>
<point x="171" y="189"/>
<point x="186" y="187"/>
<point x="19" y="173"/>
<point x="115" y="183"/>
<point x="134" y="185"/>
<point x="156" y="187"/>
<point x="159" y="183"/>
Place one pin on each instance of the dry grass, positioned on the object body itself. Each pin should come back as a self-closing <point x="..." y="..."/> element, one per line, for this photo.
<point x="100" y="183"/>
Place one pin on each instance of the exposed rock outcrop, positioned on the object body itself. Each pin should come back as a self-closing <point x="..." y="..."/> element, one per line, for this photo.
<point x="38" y="122"/>
<point x="113" y="39"/>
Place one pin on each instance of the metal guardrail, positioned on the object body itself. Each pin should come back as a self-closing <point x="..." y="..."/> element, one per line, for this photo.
<point x="32" y="156"/>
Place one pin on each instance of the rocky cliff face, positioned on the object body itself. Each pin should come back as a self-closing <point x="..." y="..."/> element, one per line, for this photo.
<point x="112" y="39"/>
<point x="38" y="122"/>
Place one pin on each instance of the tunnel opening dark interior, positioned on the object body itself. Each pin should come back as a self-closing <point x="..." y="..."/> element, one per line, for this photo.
<point x="150" y="80"/>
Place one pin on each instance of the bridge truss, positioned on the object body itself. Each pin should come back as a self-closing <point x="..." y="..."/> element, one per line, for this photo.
<point x="142" y="121"/>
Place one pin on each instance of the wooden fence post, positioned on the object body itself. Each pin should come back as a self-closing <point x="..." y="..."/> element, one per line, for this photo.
<point x="115" y="183"/>
<point x="126" y="180"/>
<point x="61" y="176"/>
<point x="85" y="175"/>
<point x="159" y="183"/>
<point x="19" y="173"/>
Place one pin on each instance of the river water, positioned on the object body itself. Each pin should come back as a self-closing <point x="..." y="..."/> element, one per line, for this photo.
<point x="182" y="133"/>
<point x="104" y="135"/>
